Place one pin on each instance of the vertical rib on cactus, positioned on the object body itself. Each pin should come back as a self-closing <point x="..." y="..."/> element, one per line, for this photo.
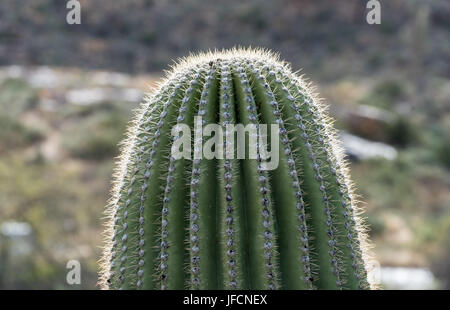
<point x="232" y="217"/>
<point x="203" y="197"/>
<point x="286" y="188"/>
<point x="175" y="194"/>
<point x="259" y="224"/>
<point x="225" y="222"/>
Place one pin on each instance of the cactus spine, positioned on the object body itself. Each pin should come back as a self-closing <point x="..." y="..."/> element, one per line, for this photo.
<point x="225" y="223"/>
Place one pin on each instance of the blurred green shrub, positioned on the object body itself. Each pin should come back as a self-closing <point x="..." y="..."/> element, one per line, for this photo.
<point x="390" y="89"/>
<point x="15" y="135"/>
<point x="443" y="153"/>
<point x="442" y="149"/>
<point x="385" y="94"/>
<point x="387" y="184"/>
<point x="437" y="141"/>
<point x="97" y="136"/>
<point x="401" y="132"/>
<point x="16" y="96"/>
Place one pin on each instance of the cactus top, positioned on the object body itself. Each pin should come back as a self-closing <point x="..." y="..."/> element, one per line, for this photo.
<point x="210" y="221"/>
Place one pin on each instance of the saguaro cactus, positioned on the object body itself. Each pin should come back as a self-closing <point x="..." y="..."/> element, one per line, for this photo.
<point x="227" y="223"/>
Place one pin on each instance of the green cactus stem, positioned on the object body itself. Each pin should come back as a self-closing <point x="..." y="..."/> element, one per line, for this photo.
<point x="228" y="222"/>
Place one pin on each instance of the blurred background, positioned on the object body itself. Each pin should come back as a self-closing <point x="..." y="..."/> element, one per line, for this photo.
<point x="68" y="91"/>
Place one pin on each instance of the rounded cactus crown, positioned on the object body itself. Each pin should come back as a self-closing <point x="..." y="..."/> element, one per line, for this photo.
<point x="232" y="206"/>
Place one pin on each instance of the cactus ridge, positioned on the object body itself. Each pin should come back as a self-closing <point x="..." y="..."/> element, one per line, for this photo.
<point x="224" y="222"/>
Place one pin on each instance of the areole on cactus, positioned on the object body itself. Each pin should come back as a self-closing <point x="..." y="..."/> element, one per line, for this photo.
<point x="225" y="222"/>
